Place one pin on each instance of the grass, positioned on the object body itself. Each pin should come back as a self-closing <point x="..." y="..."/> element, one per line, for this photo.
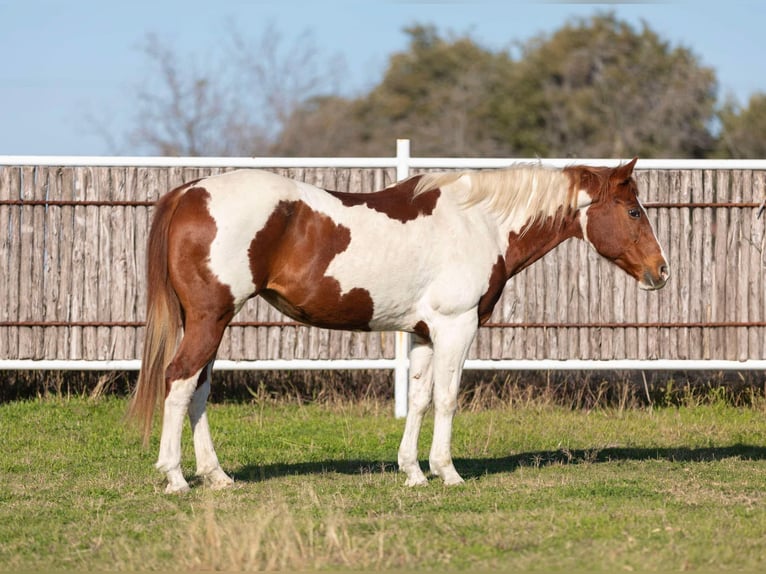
<point x="547" y="488"/>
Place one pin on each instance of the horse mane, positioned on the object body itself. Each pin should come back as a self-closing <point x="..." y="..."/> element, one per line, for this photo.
<point x="523" y="194"/>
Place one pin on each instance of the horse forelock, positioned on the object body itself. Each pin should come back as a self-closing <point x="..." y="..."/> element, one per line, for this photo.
<point x="523" y="194"/>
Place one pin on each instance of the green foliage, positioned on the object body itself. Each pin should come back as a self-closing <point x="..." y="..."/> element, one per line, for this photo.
<point x="548" y="488"/>
<point x="600" y="88"/>
<point x="743" y="130"/>
<point x="436" y="93"/>
<point x="595" y="88"/>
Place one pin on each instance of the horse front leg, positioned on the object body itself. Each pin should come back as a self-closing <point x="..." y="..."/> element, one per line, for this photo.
<point x="451" y="339"/>
<point x="207" y="461"/>
<point x="419" y="394"/>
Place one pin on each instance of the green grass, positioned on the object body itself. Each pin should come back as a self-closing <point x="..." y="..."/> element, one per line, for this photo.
<point x="548" y="488"/>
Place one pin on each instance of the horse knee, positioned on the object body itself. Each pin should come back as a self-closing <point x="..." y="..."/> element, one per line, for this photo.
<point x="445" y="404"/>
<point x="420" y="397"/>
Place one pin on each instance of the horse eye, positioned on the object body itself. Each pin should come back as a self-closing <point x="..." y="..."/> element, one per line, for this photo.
<point x="634" y="213"/>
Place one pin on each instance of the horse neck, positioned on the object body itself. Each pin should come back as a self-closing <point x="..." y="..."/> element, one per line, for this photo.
<point x="539" y="238"/>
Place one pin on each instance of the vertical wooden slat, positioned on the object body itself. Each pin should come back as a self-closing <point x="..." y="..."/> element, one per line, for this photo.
<point x="107" y="290"/>
<point x="719" y="270"/>
<point x="133" y="244"/>
<point x="649" y="337"/>
<point x="118" y="222"/>
<point x="710" y="220"/>
<point x="10" y="257"/>
<point x="684" y="238"/>
<point x="665" y="309"/>
<point x="571" y="302"/>
<point x="584" y="304"/>
<point x="554" y="277"/>
<point x="513" y="311"/>
<point x="66" y="253"/>
<point x="48" y="178"/>
<point x="39" y="254"/>
<point x="757" y="266"/>
<point x="670" y="229"/>
<point x="25" y="286"/>
<point x="743" y="186"/>
<point x="734" y="264"/>
<point x="541" y="335"/>
<point x="695" y="291"/>
<point x="607" y="274"/>
<point x="135" y="181"/>
<point x="88" y="277"/>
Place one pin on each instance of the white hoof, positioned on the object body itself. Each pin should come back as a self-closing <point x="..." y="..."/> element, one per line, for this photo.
<point x="176" y="488"/>
<point x="416" y="481"/>
<point x="415" y="476"/>
<point x="218" y="480"/>
<point x="448" y="474"/>
<point x="176" y="482"/>
<point x="453" y="480"/>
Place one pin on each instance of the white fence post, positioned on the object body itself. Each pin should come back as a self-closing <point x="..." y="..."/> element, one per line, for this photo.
<point x="402" y="347"/>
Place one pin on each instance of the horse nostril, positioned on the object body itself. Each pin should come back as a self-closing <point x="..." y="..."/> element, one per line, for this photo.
<point x="664" y="271"/>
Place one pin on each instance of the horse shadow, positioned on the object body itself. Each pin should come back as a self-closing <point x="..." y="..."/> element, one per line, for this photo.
<point x="471" y="468"/>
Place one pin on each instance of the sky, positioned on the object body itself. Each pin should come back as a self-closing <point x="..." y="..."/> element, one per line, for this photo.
<point x="71" y="69"/>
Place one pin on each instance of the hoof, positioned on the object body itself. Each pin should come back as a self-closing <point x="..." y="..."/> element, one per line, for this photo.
<point x="447" y="473"/>
<point x="218" y="480"/>
<point x="416" y="481"/>
<point x="453" y="481"/>
<point x="177" y="488"/>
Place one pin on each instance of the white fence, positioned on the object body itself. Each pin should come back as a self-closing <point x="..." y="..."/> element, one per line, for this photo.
<point x="404" y="163"/>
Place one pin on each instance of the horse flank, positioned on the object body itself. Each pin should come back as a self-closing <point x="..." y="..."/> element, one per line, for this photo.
<point x="523" y="194"/>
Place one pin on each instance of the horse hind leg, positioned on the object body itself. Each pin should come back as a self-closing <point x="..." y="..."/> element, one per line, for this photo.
<point x="198" y="347"/>
<point x="207" y="461"/>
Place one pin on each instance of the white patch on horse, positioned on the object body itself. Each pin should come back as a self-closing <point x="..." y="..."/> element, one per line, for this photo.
<point x="241" y="203"/>
<point x="651" y="226"/>
<point x="453" y="241"/>
<point x="583" y="202"/>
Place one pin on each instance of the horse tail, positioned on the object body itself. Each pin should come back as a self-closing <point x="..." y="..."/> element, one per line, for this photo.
<point x="163" y="318"/>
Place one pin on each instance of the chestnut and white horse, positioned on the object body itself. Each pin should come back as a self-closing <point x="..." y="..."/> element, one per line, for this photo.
<point x="429" y="255"/>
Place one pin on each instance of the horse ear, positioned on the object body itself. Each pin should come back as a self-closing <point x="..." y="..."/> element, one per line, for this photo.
<point x="623" y="172"/>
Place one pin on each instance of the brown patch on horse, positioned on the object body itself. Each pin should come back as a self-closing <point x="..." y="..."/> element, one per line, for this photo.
<point x="289" y="257"/>
<point x="207" y="304"/>
<point x="530" y="244"/>
<point x="396" y="202"/>
<point x="422" y="330"/>
<point x="497" y="279"/>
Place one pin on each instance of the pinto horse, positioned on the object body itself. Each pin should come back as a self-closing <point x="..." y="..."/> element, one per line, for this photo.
<point x="429" y="255"/>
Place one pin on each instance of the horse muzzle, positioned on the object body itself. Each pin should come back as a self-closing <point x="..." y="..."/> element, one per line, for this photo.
<point x="651" y="281"/>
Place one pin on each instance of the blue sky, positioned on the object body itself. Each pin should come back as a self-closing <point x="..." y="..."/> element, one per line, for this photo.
<point x="65" y="62"/>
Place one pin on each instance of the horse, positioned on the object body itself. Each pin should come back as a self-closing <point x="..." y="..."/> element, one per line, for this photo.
<point x="429" y="255"/>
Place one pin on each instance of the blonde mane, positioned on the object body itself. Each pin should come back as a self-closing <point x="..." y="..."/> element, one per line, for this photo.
<point x="523" y="194"/>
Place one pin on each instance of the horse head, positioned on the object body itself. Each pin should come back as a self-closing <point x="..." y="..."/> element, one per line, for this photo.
<point x="615" y="223"/>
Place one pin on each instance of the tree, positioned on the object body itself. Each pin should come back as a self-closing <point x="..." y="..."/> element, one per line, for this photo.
<point x="595" y="88"/>
<point x="743" y="131"/>
<point x="237" y="107"/>
<point x="434" y="93"/>
<point x="600" y="88"/>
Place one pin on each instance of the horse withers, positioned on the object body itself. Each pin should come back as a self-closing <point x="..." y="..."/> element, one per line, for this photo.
<point x="451" y="241"/>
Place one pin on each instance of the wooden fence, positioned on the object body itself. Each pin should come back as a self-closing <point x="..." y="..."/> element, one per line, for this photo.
<point x="72" y="275"/>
